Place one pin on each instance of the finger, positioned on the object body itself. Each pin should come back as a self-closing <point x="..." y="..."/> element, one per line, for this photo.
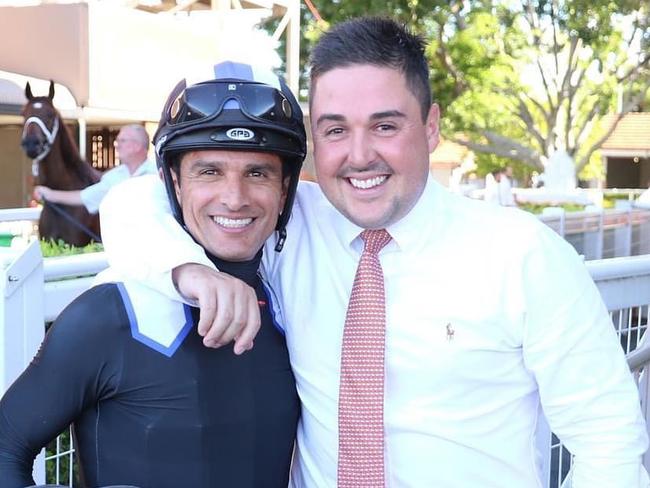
<point x="244" y="341"/>
<point x="207" y="312"/>
<point x="230" y="332"/>
<point x="241" y="310"/>
<point x="231" y="324"/>
<point x="222" y="319"/>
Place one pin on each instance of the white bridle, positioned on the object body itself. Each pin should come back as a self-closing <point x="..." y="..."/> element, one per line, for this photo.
<point x="49" y="136"/>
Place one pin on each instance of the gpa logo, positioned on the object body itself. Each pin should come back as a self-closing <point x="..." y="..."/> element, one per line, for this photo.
<point x="240" y="134"/>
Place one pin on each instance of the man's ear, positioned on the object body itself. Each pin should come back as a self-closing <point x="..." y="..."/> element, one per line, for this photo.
<point x="285" y="191"/>
<point x="177" y="185"/>
<point x="433" y="127"/>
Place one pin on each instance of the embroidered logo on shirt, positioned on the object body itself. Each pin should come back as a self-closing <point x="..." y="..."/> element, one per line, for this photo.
<point x="450" y="332"/>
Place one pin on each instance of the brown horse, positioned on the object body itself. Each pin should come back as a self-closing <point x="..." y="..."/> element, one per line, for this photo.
<point x="58" y="165"/>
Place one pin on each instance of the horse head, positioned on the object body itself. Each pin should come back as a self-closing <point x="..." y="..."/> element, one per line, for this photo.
<point x="41" y="124"/>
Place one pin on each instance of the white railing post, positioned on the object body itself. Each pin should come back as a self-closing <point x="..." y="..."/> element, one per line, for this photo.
<point x="642" y="244"/>
<point x="555" y="213"/>
<point x="593" y="225"/>
<point x="21" y="322"/>
<point x="21" y="319"/>
<point x="623" y="234"/>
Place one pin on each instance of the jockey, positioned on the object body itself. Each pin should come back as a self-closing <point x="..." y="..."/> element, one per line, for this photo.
<point x="150" y="404"/>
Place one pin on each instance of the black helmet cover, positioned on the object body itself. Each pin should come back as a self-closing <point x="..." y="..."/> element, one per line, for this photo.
<point x="236" y="107"/>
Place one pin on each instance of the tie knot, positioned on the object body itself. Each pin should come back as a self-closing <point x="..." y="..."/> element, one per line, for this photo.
<point x="375" y="240"/>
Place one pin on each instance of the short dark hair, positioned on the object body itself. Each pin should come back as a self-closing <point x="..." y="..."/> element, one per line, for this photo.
<point x="377" y="41"/>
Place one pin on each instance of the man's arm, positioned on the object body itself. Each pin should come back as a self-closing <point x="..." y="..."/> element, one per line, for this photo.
<point x="144" y="242"/>
<point x="586" y="389"/>
<point x="65" y="197"/>
<point x="67" y="375"/>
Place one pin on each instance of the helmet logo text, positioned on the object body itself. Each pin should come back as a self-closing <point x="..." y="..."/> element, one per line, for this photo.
<point x="240" y="134"/>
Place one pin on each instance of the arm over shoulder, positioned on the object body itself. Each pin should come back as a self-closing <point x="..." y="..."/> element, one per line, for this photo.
<point x="142" y="239"/>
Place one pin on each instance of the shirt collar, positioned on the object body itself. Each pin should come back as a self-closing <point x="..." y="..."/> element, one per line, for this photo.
<point x="427" y="217"/>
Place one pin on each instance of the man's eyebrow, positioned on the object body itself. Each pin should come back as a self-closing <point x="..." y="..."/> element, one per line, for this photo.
<point x="263" y="166"/>
<point x="205" y="163"/>
<point x="387" y="114"/>
<point x="330" y="117"/>
<point x="376" y="116"/>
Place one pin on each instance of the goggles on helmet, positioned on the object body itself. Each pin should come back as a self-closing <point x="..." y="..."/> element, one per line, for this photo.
<point x="207" y="100"/>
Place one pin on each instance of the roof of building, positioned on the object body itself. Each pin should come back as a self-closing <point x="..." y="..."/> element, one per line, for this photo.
<point x="11" y="93"/>
<point x="631" y="133"/>
<point x="448" y="153"/>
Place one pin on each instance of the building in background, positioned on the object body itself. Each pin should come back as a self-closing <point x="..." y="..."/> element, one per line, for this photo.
<point x="114" y="63"/>
<point x="626" y="153"/>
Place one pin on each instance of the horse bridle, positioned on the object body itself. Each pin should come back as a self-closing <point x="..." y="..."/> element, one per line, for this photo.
<point x="49" y="136"/>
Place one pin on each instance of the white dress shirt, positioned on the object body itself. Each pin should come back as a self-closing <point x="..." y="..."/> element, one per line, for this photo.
<point x="92" y="195"/>
<point x="488" y="314"/>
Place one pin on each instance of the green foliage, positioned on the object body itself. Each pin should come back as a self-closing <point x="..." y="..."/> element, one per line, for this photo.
<point x="51" y="248"/>
<point x="499" y="67"/>
<point x="537" y="208"/>
<point x="62" y="475"/>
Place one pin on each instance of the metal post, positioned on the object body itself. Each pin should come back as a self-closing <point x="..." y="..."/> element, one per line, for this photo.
<point x="82" y="134"/>
<point x="293" y="46"/>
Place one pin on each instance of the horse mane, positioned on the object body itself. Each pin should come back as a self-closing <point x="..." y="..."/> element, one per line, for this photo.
<point x="72" y="157"/>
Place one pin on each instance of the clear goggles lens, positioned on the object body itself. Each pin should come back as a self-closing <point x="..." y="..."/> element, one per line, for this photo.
<point x="207" y="100"/>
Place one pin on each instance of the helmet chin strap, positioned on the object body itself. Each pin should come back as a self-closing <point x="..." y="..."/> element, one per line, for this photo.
<point x="282" y="236"/>
<point x="49" y="136"/>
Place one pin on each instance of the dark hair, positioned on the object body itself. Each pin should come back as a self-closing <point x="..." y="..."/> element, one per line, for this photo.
<point x="376" y="41"/>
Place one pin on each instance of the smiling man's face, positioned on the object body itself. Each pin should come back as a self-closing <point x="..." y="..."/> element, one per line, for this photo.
<point x="371" y="146"/>
<point x="231" y="200"/>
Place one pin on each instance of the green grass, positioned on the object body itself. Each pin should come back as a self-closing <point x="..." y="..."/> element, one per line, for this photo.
<point x="536" y="208"/>
<point x="51" y="248"/>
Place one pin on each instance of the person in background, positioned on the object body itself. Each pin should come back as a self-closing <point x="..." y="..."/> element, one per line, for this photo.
<point x="427" y="332"/>
<point x="131" y="146"/>
<point x="492" y="190"/>
<point x="151" y="406"/>
<point x="506" y="197"/>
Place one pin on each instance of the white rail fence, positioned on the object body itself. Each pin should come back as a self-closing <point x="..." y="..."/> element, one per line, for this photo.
<point x="600" y="234"/>
<point x="35" y="290"/>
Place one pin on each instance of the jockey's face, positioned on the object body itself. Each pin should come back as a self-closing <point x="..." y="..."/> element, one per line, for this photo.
<point x="230" y="199"/>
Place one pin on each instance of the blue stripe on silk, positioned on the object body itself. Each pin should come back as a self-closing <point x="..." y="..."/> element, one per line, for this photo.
<point x="147" y="341"/>
<point x="269" y="297"/>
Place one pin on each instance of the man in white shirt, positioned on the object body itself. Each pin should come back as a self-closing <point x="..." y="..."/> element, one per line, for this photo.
<point x="506" y="198"/>
<point x="491" y="193"/>
<point x="469" y="356"/>
<point x="131" y="146"/>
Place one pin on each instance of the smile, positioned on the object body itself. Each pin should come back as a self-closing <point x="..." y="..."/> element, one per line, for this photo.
<point x="232" y="223"/>
<point x="366" y="184"/>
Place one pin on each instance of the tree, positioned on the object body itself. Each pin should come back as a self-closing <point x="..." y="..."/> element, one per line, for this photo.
<point x="522" y="80"/>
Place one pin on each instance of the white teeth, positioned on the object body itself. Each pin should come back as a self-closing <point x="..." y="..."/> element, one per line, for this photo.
<point x="232" y="223"/>
<point x="365" y="184"/>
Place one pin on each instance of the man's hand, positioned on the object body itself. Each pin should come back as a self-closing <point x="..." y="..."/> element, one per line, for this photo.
<point x="228" y="306"/>
<point x="41" y="192"/>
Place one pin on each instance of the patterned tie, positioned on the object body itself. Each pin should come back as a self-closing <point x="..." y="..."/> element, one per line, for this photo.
<point x="361" y="391"/>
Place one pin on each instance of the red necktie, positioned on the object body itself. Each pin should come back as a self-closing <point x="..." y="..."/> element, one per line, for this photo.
<point x="361" y="391"/>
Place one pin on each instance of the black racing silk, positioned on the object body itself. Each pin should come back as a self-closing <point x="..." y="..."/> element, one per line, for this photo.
<point x="200" y="418"/>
